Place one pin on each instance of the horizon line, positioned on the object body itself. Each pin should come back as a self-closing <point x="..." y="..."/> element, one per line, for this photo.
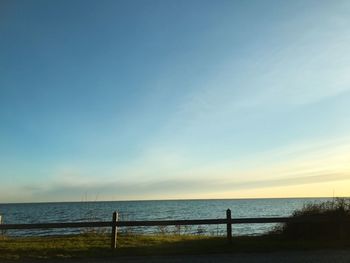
<point x="190" y="199"/>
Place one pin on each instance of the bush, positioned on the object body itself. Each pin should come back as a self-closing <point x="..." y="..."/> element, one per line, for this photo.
<point x="327" y="220"/>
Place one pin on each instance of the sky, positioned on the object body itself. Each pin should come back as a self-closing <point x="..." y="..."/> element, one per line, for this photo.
<point x="133" y="100"/>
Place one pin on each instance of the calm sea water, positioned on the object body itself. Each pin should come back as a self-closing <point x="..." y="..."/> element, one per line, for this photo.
<point x="152" y="210"/>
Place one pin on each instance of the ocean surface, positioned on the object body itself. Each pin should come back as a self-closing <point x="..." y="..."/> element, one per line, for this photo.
<point x="152" y="210"/>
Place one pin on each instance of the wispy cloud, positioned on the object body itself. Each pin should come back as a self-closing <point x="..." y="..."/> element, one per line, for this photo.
<point x="304" y="164"/>
<point x="172" y="187"/>
<point x="299" y="67"/>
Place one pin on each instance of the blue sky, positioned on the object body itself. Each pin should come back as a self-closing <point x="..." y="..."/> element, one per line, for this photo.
<point x="174" y="99"/>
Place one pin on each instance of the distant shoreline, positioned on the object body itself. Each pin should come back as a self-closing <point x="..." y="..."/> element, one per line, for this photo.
<point x="160" y="200"/>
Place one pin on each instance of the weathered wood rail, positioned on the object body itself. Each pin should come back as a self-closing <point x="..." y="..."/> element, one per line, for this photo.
<point x="114" y="224"/>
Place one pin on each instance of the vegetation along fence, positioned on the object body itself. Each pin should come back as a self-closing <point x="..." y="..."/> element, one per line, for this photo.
<point x="114" y="224"/>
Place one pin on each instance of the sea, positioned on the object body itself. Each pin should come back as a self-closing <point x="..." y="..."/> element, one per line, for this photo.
<point x="27" y="213"/>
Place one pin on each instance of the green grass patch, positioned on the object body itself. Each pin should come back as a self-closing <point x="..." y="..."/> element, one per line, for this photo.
<point x="93" y="245"/>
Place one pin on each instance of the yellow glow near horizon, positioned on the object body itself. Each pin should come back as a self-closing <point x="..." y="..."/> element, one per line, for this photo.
<point x="326" y="189"/>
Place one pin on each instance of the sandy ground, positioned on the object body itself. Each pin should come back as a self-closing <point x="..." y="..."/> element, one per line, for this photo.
<point x="331" y="256"/>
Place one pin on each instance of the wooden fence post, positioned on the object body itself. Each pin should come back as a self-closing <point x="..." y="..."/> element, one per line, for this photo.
<point x="114" y="230"/>
<point x="229" y="226"/>
<point x="2" y="231"/>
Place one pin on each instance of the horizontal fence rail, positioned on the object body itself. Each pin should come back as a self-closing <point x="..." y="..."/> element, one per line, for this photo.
<point x="233" y="221"/>
<point x="147" y="223"/>
<point x="114" y="224"/>
<point x="55" y="225"/>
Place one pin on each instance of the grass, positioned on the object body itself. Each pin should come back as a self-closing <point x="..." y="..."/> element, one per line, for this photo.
<point x="93" y="245"/>
<point x="97" y="246"/>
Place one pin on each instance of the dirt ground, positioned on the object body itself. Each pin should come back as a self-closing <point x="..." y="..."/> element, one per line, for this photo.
<point x="329" y="256"/>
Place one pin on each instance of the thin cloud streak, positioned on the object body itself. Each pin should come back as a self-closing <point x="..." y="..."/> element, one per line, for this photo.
<point x="125" y="190"/>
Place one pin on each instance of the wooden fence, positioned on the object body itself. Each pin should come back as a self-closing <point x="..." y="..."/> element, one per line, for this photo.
<point x="114" y="224"/>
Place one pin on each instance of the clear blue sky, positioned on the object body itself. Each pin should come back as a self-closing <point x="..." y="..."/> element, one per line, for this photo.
<point x="173" y="99"/>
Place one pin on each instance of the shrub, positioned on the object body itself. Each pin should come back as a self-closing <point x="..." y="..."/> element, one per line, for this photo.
<point x="334" y="223"/>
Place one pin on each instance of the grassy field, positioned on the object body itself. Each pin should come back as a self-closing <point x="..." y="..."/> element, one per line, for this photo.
<point x="90" y="246"/>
